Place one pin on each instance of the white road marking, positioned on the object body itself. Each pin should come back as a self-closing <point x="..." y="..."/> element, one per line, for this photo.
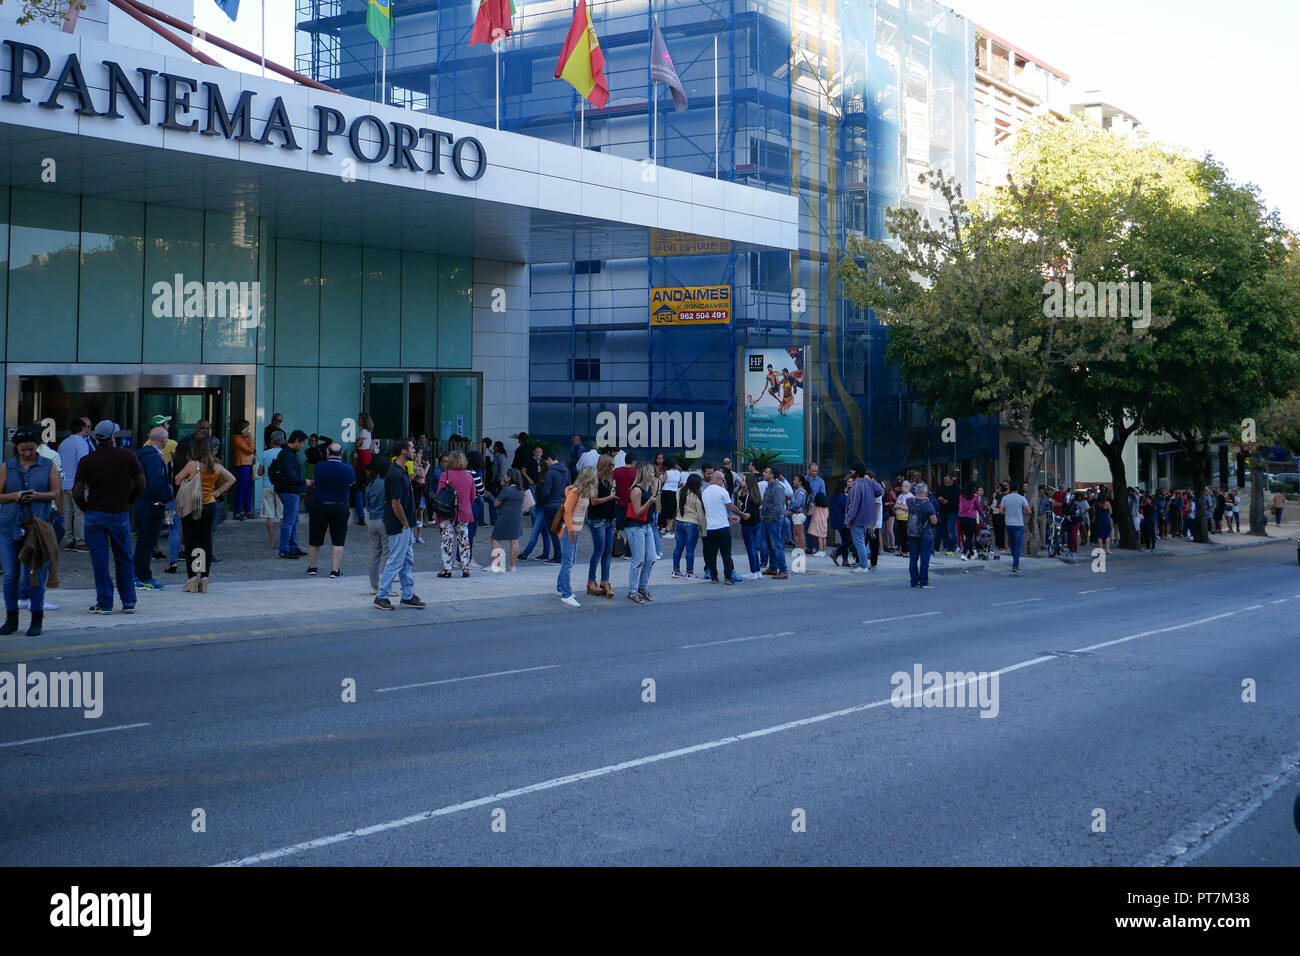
<point x="904" y="617"/>
<point x="1188" y="844"/>
<point x="733" y="640"/>
<point x="1095" y="590"/>
<point x="1005" y="603"/>
<point x="79" y="733"/>
<point x="1160" y="630"/>
<point x="608" y="769"/>
<point x="1252" y="607"/>
<point x="1279" y="601"/>
<point x="456" y="680"/>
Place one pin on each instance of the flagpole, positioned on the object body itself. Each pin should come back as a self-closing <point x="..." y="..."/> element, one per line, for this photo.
<point x="654" y="93"/>
<point x="496" y="43"/>
<point x="654" y="152"/>
<point x="715" y="107"/>
<point x="384" y="82"/>
<point x="264" y="41"/>
<point x="582" y="121"/>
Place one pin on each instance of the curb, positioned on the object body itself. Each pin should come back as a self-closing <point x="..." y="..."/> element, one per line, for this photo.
<point x="1061" y="562"/>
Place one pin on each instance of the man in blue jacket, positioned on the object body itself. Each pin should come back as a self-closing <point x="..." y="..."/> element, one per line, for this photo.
<point x="290" y="485"/>
<point x="861" y="514"/>
<point x="151" y="506"/>
<point x="551" y="500"/>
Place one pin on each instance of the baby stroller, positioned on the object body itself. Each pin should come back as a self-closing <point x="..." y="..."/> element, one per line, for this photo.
<point x="984" y="540"/>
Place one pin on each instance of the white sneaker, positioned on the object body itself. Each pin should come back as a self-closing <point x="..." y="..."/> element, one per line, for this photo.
<point x="659" y="556"/>
<point x="669" y="536"/>
<point x="24" y="604"/>
<point x="858" y="570"/>
<point x="49" y="606"/>
<point x="571" y="601"/>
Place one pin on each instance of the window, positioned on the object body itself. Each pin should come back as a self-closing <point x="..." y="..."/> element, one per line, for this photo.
<point x="586" y="370"/>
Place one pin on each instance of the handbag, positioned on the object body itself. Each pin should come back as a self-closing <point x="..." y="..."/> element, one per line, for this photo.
<point x="189" y="496"/>
<point x="529" y="501"/>
<point x="557" y="523"/>
<point x="621" y="548"/>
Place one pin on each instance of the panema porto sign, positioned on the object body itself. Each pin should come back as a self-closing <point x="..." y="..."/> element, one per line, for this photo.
<point x="167" y="99"/>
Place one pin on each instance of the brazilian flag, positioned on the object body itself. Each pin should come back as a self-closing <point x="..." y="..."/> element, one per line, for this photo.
<point x="379" y="20"/>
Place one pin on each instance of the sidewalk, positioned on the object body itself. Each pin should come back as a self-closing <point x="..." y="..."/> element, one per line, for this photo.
<point x="251" y="582"/>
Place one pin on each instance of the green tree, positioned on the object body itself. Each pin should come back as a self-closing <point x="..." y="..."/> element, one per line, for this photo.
<point x="965" y="302"/>
<point x="1223" y="309"/>
<point x="46" y="11"/>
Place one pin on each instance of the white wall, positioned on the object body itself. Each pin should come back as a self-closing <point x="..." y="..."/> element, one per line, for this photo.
<point x="501" y="348"/>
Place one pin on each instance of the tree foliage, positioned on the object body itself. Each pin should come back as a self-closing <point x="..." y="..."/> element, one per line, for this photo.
<point x="46" y="11"/>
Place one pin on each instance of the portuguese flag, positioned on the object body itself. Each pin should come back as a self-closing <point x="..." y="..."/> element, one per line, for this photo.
<point x="493" y="21"/>
<point x="379" y="20"/>
<point x="582" y="65"/>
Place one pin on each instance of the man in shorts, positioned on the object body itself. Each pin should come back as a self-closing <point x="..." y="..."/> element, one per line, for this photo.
<point x="272" y="508"/>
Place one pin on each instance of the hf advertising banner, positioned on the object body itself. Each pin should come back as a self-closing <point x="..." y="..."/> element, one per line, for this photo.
<point x="775" y="400"/>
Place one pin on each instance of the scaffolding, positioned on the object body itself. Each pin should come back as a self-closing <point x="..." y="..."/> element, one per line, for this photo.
<point x="837" y="102"/>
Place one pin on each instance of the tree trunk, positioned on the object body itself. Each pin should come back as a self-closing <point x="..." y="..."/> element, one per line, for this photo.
<point x="1034" y="532"/>
<point x="1258" y="517"/>
<point x="1121" y="514"/>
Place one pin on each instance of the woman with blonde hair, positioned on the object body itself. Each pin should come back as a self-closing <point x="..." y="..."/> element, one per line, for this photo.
<point x="642" y="499"/>
<point x="600" y="519"/>
<point x="196" y="525"/>
<point x="455" y="526"/>
<point x="577" y="499"/>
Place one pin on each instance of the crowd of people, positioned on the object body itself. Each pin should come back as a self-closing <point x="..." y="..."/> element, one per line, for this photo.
<point x="89" y="492"/>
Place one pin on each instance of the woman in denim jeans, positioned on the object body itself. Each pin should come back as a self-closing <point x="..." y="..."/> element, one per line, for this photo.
<point x="640" y="516"/>
<point x="750" y="501"/>
<point x="689" y="518"/>
<point x="600" y="519"/>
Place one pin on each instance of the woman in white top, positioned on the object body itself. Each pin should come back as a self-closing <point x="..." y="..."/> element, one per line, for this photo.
<point x="668" y="496"/>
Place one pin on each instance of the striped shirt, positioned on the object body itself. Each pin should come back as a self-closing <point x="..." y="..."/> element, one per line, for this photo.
<point x="575" y="510"/>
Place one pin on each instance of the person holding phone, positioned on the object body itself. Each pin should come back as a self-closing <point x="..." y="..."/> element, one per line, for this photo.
<point x="31" y="484"/>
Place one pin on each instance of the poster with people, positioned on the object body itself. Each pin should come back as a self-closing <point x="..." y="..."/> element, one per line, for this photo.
<point x="775" y="401"/>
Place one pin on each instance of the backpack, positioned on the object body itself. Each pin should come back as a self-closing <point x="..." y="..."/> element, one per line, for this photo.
<point x="446" y="503"/>
<point x="916" y="523"/>
<point x="276" y="473"/>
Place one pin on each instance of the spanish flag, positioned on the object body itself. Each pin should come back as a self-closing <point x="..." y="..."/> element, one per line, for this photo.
<point x="582" y="65"/>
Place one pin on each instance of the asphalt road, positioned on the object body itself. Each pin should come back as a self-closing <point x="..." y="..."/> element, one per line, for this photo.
<point x="526" y="738"/>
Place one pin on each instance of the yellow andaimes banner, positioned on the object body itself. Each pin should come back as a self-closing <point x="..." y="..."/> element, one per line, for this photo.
<point x="691" y="305"/>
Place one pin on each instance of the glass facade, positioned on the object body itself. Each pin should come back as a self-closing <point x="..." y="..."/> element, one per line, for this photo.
<point x="101" y="299"/>
<point x="839" y="102"/>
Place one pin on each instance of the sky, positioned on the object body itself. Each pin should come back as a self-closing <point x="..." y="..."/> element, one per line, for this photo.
<point x="1218" y="77"/>
<point x="1206" y="75"/>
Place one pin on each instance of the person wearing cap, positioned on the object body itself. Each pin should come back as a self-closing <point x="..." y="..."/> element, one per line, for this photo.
<point x="31" y="486"/>
<point x="72" y="449"/>
<point x="108" y="482"/>
<point x="151" y="507"/>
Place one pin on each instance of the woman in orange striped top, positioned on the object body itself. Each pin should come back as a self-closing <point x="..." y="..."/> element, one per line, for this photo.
<point x="577" y="497"/>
